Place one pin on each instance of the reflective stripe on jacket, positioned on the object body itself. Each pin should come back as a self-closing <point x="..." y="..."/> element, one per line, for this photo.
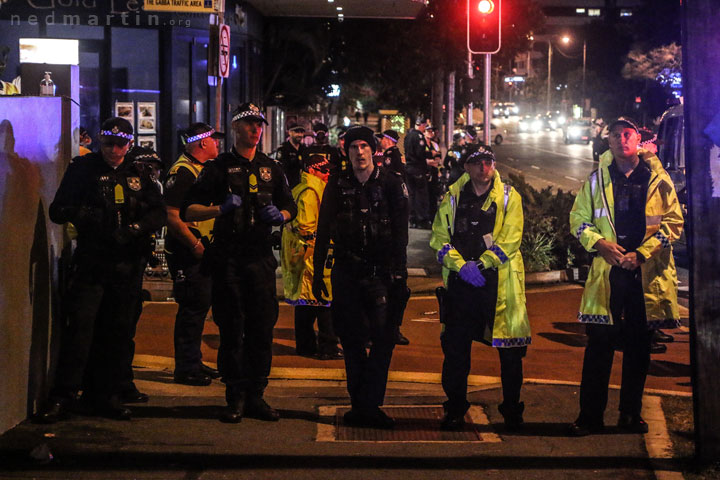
<point x="592" y="218"/>
<point x="298" y="244"/>
<point x="511" y="326"/>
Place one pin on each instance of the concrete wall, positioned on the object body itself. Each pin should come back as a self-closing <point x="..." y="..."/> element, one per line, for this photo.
<point x="36" y="144"/>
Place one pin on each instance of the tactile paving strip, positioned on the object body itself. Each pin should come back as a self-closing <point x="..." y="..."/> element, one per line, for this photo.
<point x="413" y="423"/>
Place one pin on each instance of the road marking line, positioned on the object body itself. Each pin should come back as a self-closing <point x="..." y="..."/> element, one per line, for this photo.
<point x="657" y="440"/>
<point x="572" y="178"/>
<point x="511" y="159"/>
<point x="535" y="167"/>
<point x="561" y="154"/>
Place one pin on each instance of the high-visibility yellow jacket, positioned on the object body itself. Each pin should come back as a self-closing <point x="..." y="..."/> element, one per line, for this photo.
<point x="203" y="228"/>
<point x="511" y="327"/>
<point x="592" y="218"/>
<point x="298" y="244"/>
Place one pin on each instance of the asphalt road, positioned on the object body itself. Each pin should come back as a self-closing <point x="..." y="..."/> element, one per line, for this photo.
<point x="544" y="159"/>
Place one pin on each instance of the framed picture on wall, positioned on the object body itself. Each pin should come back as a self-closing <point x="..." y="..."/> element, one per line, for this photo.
<point x="146" y="117"/>
<point x="126" y="110"/>
<point x="147" y="141"/>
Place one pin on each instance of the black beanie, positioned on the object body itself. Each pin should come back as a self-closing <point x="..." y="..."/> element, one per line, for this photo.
<point x="360" y="133"/>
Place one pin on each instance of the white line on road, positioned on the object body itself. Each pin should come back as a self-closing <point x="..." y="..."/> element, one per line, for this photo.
<point x="572" y="178"/>
<point x="535" y="167"/>
<point x="511" y="159"/>
<point x="561" y="154"/>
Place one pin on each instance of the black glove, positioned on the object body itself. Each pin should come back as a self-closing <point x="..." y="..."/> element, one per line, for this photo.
<point x="87" y="218"/>
<point x="125" y="235"/>
<point x="319" y="289"/>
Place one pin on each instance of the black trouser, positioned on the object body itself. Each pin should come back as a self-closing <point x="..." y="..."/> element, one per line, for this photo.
<point x="101" y="305"/>
<point x="418" y="190"/>
<point x="629" y="332"/>
<point x="306" y="342"/>
<point x="245" y="309"/>
<point x="359" y="313"/>
<point x="193" y="294"/>
<point x="471" y="313"/>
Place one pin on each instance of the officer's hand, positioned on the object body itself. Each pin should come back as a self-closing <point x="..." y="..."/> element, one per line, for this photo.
<point x="610" y="251"/>
<point x="231" y="203"/>
<point x="271" y="215"/>
<point x="319" y="289"/>
<point x="471" y="274"/>
<point x="125" y="235"/>
<point x="88" y="217"/>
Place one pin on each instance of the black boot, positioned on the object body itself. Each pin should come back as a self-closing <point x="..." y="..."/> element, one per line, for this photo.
<point x="662" y="337"/>
<point x="512" y="413"/>
<point x="54" y="411"/>
<point x="257" y="407"/>
<point x="233" y="413"/>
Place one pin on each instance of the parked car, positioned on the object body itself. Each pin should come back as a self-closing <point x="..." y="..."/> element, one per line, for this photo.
<point x="578" y="131"/>
<point x="497" y="135"/>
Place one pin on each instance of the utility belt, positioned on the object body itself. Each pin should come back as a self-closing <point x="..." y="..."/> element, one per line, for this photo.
<point x="361" y="267"/>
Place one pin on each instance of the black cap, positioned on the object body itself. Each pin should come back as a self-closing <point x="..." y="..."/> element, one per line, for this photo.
<point x="625" y="121"/>
<point x="342" y="130"/>
<point x="292" y="126"/>
<point x="647" y="136"/>
<point x="471" y="132"/>
<point x="392" y="135"/>
<point x="479" y="154"/>
<point x="457" y="136"/>
<point x="143" y="154"/>
<point x="320" y="127"/>
<point x="198" y="131"/>
<point x="360" y="133"/>
<point x="248" y="111"/>
<point x="116" y="130"/>
<point x="421" y="119"/>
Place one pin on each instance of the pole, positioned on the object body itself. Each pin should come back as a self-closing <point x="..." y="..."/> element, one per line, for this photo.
<point x="219" y="83"/>
<point x="450" y="122"/>
<point x="471" y="75"/>
<point x="701" y="62"/>
<point x="488" y="108"/>
<point x="547" y="100"/>
<point x="583" y="79"/>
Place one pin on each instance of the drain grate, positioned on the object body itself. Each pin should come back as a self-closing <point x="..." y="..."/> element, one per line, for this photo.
<point x="413" y="423"/>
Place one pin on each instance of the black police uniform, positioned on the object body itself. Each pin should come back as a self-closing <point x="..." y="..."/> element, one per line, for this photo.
<point x="627" y="304"/>
<point x="242" y="266"/>
<point x="417" y="153"/>
<point x="368" y="225"/>
<point x="454" y="162"/>
<point x="115" y="211"/>
<point x="471" y="310"/>
<point x="289" y="158"/>
<point x="191" y="279"/>
<point x="392" y="161"/>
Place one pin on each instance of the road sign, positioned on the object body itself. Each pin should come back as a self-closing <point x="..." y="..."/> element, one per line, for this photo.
<point x="196" y="6"/>
<point x="224" y="51"/>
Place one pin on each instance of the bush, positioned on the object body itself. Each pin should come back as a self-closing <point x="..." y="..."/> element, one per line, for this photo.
<point x="547" y="243"/>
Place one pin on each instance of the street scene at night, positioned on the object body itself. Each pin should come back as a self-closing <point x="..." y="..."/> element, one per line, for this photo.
<point x="359" y="239"/>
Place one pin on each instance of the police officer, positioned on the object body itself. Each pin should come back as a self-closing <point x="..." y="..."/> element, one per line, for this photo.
<point x="628" y="213"/>
<point x="392" y="158"/>
<point x="114" y="207"/>
<point x="185" y="250"/>
<point x="452" y="163"/>
<point x="477" y="233"/>
<point x="418" y="159"/>
<point x="247" y="194"/>
<point x="321" y="148"/>
<point x="289" y="153"/>
<point x="364" y="213"/>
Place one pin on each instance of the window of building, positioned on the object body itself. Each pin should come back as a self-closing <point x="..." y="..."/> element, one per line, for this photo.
<point x="593" y="12"/>
<point x="625" y="12"/>
<point x="580" y="11"/>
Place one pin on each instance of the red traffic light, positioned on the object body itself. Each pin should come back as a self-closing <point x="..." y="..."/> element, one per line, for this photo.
<point x="483" y="25"/>
<point x="485" y="6"/>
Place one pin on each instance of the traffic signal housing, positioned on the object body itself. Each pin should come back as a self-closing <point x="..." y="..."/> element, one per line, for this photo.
<point x="483" y="26"/>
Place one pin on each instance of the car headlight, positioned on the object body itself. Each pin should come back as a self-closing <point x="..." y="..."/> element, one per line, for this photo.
<point x="561" y="120"/>
<point x="496" y="111"/>
<point x="536" y="125"/>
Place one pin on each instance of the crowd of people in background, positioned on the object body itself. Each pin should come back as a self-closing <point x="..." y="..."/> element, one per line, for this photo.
<point x="340" y="216"/>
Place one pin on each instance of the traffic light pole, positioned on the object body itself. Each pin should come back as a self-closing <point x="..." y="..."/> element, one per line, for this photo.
<point x="471" y="75"/>
<point x="701" y="62"/>
<point x="488" y="109"/>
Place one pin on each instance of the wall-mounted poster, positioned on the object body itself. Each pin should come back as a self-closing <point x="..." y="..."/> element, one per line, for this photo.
<point x="146" y="117"/>
<point x="147" y="141"/>
<point x="126" y="110"/>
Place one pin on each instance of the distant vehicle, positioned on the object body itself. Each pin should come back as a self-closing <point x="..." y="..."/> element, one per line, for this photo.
<point x="505" y="109"/>
<point x="671" y="148"/>
<point x="578" y="131"/>
<point x="530" y="124"/>
<point x="496" y="134"/>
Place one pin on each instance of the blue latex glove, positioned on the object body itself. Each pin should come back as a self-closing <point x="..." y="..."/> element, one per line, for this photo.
<point x="231" y="203"/>
<point x="471" y="274"/>
<point x="271" y="215"/>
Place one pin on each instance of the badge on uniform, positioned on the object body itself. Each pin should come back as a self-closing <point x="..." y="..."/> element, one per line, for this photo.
<point x="405" y="191"/>
<point x="134" y="183"/>
<point x="170" y="182"/>
<point x="265" y="174"/>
